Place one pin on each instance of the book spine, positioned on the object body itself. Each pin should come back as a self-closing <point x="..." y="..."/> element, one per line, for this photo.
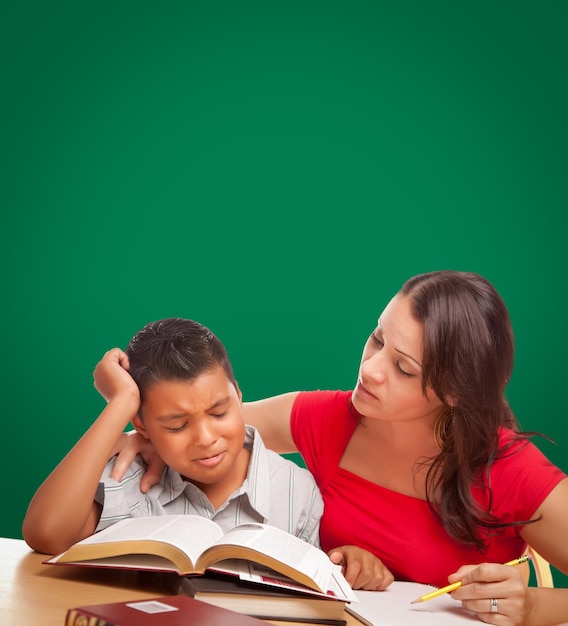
<point x="76" y="617"/>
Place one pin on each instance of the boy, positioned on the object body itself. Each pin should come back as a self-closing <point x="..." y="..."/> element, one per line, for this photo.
<point x="176" y="385"/>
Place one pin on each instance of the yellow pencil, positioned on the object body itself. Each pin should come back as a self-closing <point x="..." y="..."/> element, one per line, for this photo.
<point x="448" y="588"/>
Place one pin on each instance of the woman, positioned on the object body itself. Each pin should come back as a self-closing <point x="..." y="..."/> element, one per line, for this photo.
<point x="422" y="463"/>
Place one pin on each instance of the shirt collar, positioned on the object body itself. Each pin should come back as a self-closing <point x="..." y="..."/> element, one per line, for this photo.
<point x="258" y="476"/>
<point x="256" y="486"/>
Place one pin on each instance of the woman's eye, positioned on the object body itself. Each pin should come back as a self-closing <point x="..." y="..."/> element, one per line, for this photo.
<point x="377" y="341"/>
<point x="401" y="371"/>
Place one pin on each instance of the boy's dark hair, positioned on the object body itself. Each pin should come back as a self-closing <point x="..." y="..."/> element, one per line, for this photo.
<point x="175" y="349"/>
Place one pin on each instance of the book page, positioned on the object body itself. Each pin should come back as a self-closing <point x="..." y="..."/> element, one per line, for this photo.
<point x="338" y="588"/>
<point x="190" y="533"/>
<point x="393" y="607"/>
<point x="284" y="548"/>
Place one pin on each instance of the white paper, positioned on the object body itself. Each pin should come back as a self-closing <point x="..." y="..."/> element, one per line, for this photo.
<point x="393" y="607"/>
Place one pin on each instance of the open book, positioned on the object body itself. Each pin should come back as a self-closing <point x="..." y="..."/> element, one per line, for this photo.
<point x="189" y="544"/>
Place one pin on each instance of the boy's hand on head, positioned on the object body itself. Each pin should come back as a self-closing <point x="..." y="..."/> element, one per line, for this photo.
<point x="126" y="448"/>
<point x="361" y="568"/>
<point x="111" y="377"/>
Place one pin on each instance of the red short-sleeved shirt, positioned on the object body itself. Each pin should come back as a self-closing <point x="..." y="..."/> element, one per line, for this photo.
<point x="401" y="530"/>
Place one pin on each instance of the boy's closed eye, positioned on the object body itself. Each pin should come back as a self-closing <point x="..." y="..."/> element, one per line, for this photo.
<point x="177" y="429"/>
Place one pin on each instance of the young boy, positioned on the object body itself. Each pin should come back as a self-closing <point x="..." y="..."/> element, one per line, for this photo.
<point x="176" y="385"/>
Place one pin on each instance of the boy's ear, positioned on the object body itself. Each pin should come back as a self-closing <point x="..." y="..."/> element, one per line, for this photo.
<point x="139" y="426"/>
<point x="239" y="393"/>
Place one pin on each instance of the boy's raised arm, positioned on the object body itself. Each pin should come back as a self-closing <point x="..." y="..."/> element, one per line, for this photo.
<point x="63" y="509"/>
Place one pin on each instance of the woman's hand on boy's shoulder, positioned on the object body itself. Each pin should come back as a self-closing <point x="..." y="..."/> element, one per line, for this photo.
<point x="127" y="447"/>
<point x="361" y="568"/>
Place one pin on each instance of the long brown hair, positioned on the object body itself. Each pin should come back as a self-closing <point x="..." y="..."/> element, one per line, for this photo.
<point x="468" y="358"/>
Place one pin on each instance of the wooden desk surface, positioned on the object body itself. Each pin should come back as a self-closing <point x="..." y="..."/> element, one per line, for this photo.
<point x="32" y="593"/>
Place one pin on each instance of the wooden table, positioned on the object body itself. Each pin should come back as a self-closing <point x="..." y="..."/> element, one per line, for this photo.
<point x="32" y="593"/>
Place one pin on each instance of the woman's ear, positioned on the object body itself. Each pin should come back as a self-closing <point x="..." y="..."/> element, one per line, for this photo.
<point x="450" y="400"/>
<point x="139" y="426"/>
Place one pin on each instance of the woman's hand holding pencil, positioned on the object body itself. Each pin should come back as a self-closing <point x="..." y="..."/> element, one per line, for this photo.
<point x="454" y="586"/>
<point x="497" y="593"/>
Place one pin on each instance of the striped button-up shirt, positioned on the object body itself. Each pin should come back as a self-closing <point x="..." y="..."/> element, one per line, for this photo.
<point x="276" y="491"/>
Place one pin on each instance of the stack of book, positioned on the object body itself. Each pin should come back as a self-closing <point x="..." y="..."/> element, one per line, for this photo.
<point x="254" y="569"/>
<point x="269" y="602"/>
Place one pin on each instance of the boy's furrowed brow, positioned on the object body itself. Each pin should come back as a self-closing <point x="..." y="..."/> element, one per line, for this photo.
<point x="222" y="401"/>
<point x="174" y="416"/>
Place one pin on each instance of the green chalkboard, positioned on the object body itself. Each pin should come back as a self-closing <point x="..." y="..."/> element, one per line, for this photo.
<point x="275" y="170"/>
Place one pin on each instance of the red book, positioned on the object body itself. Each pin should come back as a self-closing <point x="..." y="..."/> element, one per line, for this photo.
<point x="163" y="611"/>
